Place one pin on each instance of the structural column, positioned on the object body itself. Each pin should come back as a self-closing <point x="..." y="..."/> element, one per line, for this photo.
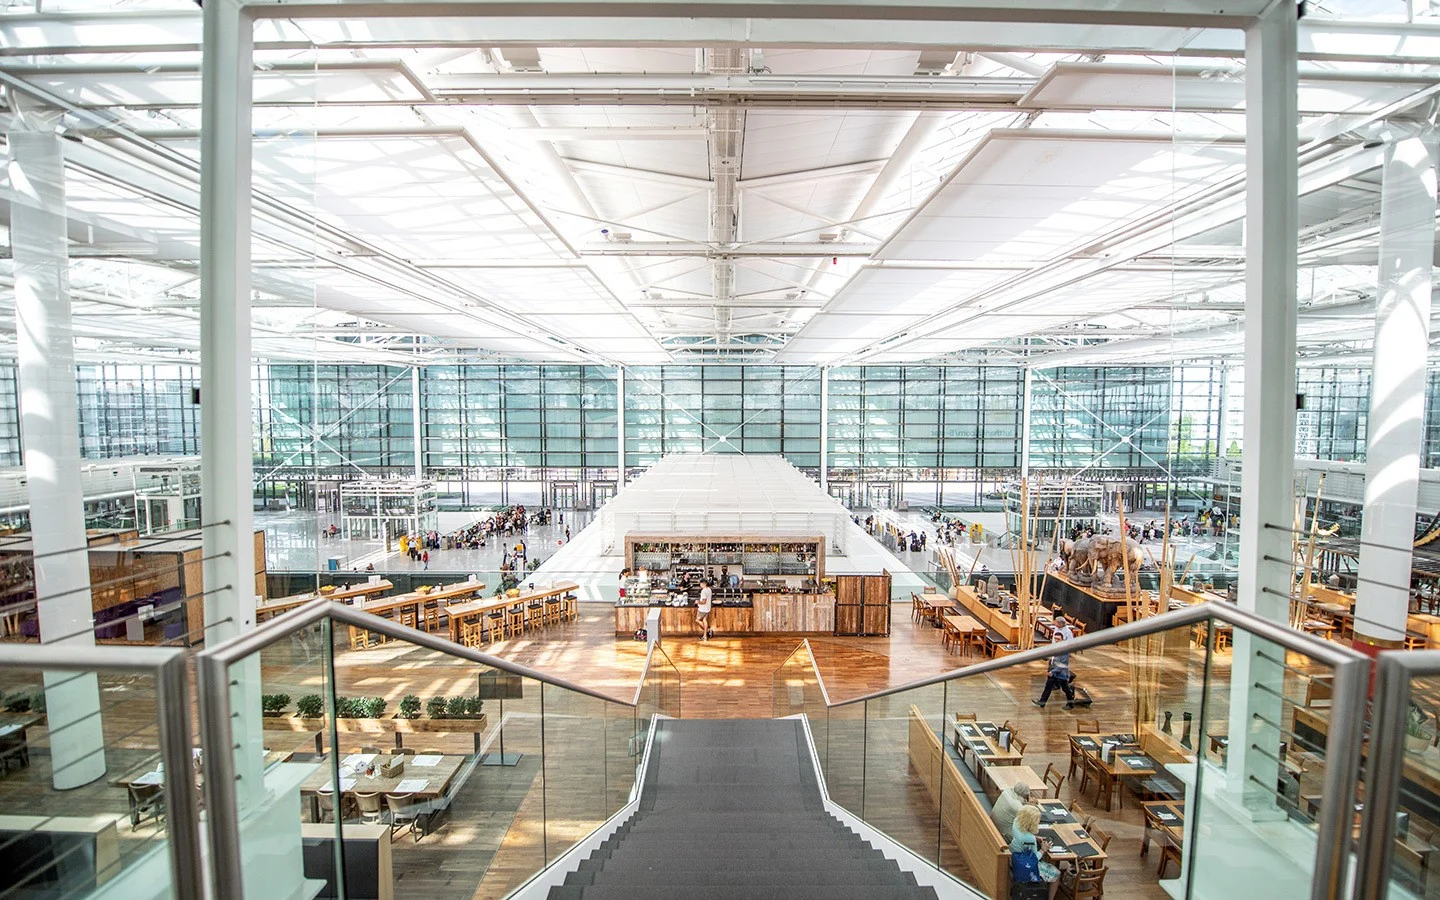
<point x="620" y="426"/>
<point x="226" y="449"/>
<point x="1397" y="392"/>
<point x="825" y="430"/>
<point x="419" y="441"/>
<point x="1025" y="400"/>
<point x="50" y="441"/>
<point x="1268" y="454"/>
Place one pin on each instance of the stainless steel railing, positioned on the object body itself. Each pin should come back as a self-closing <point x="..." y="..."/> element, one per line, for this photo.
<point x="1344" y="734"/>
<point x="216" y="711"/>
<point x="169" y="667"/>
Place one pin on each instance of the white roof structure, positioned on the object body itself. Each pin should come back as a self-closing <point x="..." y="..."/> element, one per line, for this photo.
<point x="437" y="190"/>
<point x="723" y="493"/>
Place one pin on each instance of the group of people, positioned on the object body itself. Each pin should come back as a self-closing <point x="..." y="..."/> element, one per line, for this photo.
<point x="507" y="523"/>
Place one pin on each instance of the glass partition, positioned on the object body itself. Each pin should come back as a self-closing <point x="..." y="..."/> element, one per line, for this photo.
<point x="474" y="777"/>
<point x="88" y="804"/>
<point x="1130" y="765"/>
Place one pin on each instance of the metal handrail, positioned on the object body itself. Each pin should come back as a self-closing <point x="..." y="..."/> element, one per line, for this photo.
<point x="213" y="666"/>
<point x="645" y="670"/>
<point x="169" y="667"/>
<point x="814" y="664"/>
<point x="282" y="626"/>
<point x="1385" y="766"/>
<point x="1345" y="732"/>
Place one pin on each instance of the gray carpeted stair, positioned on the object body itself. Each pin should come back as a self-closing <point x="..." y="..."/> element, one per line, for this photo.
<point x="731" y="810"/>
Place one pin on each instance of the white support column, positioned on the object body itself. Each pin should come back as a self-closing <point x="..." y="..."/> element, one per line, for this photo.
<point x="825" y="430"/>
<point x="620" y="426"/>
<point x="1025" y="400"/>
<point x="419" y="441"/>
<point x="1397" y="392"/>
<point x="226" y="448"/>
<point x="50" y="441"/>
<point x="1268" y="453"/>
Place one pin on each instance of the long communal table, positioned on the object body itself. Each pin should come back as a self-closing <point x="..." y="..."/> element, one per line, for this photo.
<point x="271" y="608"/>
<point x="464" y="612"/>
<point x="1007" y="625"/>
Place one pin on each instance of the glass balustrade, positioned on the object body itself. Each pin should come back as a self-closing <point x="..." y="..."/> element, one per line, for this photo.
<point x="466" y="773"/>
<point x="1205" y="745"/>
<point x="97" y="798"/>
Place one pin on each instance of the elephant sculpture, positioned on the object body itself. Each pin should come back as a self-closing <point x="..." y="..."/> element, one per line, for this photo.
<point x="1081" y="557"/>
<point x="1112" y="552"/>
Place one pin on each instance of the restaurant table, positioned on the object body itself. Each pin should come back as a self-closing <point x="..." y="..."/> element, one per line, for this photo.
<point x="961" y="627"/>
<point x="1162" y="815"/>
<point x="389" y="607"/>
<point x="1071" y="843"/>
<point x="14" y="742"/>
<point x="475" y="609"/>
<point x="935" y="606"/>
<point x="1005" y="777"/>
<point x="981" y="740"/>
<point x="1126" y="761"/>
<point x="272" y="608"/>
<point x="437" y="777"/>
<point x="1318" y="626"/>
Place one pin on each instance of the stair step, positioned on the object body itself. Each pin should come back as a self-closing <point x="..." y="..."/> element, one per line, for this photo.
<point x="722" y="892"/>
<point x="879" y="875"/>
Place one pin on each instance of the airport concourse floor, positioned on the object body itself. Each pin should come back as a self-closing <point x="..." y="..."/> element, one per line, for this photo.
<point x="293" y="543"/>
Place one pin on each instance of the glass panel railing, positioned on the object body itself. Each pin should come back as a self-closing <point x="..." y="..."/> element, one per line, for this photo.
<point x="659" y="690"/>
<point x="1400" y="807"/>
<point x="470" y="773"/>
<point x="1128" y="766"/>
<point x="88" y="804"/>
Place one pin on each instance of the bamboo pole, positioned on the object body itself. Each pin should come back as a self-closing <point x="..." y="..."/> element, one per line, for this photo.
<point x="1125" y="558"/>
<point x="1306" y="574"/>
<point x="1055" y="544"/>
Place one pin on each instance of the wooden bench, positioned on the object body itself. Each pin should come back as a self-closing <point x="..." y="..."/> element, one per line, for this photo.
<point x="963" y="808"/>
<point x="1166" y="750"/>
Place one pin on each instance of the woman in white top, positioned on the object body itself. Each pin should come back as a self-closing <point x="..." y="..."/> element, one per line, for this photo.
<point x="702" y="610"/>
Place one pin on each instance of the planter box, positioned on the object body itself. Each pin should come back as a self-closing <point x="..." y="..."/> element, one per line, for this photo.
<point x="387" y="725"/>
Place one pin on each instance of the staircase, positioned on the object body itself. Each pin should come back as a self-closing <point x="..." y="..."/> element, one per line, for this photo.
<point x="730" y="809"/>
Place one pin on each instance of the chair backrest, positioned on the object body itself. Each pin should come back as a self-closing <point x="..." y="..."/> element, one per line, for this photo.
<point x="1087" y="726"/>
<point x="1085" y="819"/>
<point x="430" y="751"/>
<point x="1101" y="837"/>
<point x="405" y="751"/>
<point x="1053" y="778"/>
<point x="1090" y="883"/>
<point x="327" y="800"/>
<point x="368" y="801"/>
<point x="965" y="717"/>
<point x="1017" y="744"/>
<point x="369" y="749"/>
<point x="402" y="804"/>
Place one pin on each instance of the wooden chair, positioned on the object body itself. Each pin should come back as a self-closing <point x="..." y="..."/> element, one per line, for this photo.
<point x="1086" y="820"/>
<point x="360" y="638"/>
<point x="554" y="611"/>
<point x="402" y="751"/>
<point x="1100" y="837"/>
<point x="1053" y="779"/>
<point x="434" y="613"/>
<point x="1169" y="850"/>
<point x="917" y="608"/>
<point x="965" y="717"/>
<point x="147" y="801"/>
<point x="516" y="623"/>
<point x="1077" y="763"/>
<point x="409" y="616"/>
<point x="495" y="624"/>
<point x="1106" y="784"/>
<point x="371" y="750"/>
<point x="1017" y="745"/>
<point x="1087" y="726"/>
<point x="571" y="607"/>
<point x="472" y="633"/>
<point x="1087" y="884"/>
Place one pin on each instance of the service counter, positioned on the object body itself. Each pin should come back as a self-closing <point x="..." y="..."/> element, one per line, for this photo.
<point x="762" y="613"/>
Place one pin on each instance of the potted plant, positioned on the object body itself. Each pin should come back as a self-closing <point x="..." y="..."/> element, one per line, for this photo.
<point x="435" y="707"/>
<point x="273" y="704"/>
<point x="310" y="706"/>
<point x="370" y="707"/>
<point x="1419" y="733"/>
<point x="409" y="707"/>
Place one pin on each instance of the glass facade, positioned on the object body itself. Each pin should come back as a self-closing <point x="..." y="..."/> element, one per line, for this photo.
<point x="130" y="410"/>
<point x="722" y="409"/>
<point x="926" y="417"/>
<point x="564" y="417"/>
<point x="1118" y="418"/>
<point x="488" y="417"/>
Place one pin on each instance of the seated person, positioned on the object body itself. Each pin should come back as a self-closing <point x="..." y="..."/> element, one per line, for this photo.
<point x="1007" y="805"/>
<point x="1022" y="837"/>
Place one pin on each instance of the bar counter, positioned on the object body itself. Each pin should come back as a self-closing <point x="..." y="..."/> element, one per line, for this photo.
<point x="763" y="613"/>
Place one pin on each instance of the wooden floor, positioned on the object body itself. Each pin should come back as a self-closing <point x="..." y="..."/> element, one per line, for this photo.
<point x="510" y="820"/>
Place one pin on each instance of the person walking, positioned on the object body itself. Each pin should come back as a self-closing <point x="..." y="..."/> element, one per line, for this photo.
<point x="1059" y="674"/>
<point x="425" y="558"/>
<point x="702" y="610"/>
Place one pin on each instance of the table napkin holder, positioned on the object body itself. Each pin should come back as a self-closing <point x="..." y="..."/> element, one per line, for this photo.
<point x="393" y="767"/>
<point x="1002" y="739"/>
